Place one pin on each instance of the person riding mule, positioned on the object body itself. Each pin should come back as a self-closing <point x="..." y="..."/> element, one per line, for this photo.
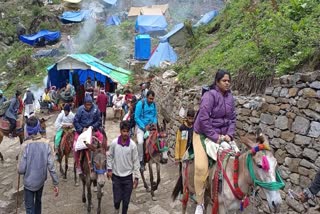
<point x="86" y="116"/>
<point x="145" y="115"/>
<point x="214" y="124"/>
<point x="63" y="122"/>
<point x="240" y="175"/>
<point x="12" y="113"/>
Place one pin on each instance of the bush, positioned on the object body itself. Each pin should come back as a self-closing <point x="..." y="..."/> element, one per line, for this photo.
<point x="260" y="39"/>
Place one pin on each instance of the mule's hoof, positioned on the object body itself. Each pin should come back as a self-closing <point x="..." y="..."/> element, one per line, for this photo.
<point x="147" y="189"/>
<point x="17" y="157"/>
<point x="154" y="198"/>
<point x="76" y="184"/>
<point x="84" y="200"/>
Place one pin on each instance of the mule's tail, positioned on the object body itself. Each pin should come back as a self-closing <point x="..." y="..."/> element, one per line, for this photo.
<point x="177" y="189"/>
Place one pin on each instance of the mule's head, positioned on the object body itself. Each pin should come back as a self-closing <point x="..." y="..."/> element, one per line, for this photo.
<point x="100" y="166"/>
<point x="264" y="166"/>
<point x="163" y="143"/>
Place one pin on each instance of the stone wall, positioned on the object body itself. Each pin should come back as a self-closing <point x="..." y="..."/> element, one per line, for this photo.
<point x="288" y="113"/>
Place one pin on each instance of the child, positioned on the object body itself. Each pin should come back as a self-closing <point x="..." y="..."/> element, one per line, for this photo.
<point x="184" y="138"/>
<point x="123" y="167"/>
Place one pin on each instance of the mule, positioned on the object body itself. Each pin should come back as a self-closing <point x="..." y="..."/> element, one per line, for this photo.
<point x="155" y="152"/>
<point x="96" y="152"/>
<point x="65" y="148"/>
<point x="19" y="132"/>
<point x="249" y="176"/>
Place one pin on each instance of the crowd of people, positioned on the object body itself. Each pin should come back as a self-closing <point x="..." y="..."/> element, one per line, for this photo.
<point x="212" y="125"/>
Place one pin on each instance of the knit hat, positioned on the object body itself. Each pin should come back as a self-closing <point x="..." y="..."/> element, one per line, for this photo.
<point x="88" y="99"/>
<point x="66" y="107"/>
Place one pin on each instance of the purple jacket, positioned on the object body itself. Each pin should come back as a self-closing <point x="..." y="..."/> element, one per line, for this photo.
<point x="217" y="115"/>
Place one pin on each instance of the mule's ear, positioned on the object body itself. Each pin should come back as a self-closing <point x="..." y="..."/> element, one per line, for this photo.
<point x="258" y="132"/>
<point x="164" y="125"/>
<point x="247" y="142"/>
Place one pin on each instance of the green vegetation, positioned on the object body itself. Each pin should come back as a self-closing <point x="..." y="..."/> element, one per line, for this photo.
<point x="263" y="39"/>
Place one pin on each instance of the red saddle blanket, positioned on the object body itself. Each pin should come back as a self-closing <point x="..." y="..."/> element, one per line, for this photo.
<point x="4" y="123"/>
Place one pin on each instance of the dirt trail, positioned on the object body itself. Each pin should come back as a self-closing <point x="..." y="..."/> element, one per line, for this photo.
<point x="69" y="200"/>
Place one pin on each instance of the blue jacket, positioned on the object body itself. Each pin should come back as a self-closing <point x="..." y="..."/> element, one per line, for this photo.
<point x="35" y="160"/>
<point x="12" y="111"/>
<point x="84" y="119"/>
<point x="147" y="115"/>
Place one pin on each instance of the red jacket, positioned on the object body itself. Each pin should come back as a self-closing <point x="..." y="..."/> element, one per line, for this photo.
<point x="102" y="101"/>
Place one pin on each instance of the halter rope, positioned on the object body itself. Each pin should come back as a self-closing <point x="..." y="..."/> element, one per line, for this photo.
<point x="279" y="184"/>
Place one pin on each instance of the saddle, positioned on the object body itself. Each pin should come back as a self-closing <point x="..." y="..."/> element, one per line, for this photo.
<point x="5" y="124"/>
<point x="150" y="145"/>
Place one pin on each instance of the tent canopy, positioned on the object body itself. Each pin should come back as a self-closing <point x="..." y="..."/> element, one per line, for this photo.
<point x="74" y="16"/>
<point x="206" y="18"/>
<point x="164" y="52"/>
<point x="113" y="20"/>
<point x="111" y="2"/>
<point x="73" y="1"/>
<point x="134" y="11"/>
<point x="49" y="36"/>
<point x="151" y="11"/>
<point x="145" y="23"/>
<point x="175" y="29"/>
<point x="85" y="65"/>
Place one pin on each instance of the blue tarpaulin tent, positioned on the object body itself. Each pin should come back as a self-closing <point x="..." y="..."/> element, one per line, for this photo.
<point x="150" y="23"/>
<point x="175" y="29"/>
<point x="85" y="65"/>
<point x="113" y="20"/>
<point x="74" y="16"/>
<point x="164" y="52"/>
<point x="110" y="2"/>
<point x="42" y="36"/>
<point x="206" y="18"/>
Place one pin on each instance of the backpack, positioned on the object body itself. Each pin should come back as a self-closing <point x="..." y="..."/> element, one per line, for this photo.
<point x="3" y="108"/>
<point x="143" y="103"/>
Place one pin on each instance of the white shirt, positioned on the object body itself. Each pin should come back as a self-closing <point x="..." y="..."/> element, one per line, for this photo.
<point x="123" y="159"/>
<point x="63" y="119"/>
<point x="117" y="101"/>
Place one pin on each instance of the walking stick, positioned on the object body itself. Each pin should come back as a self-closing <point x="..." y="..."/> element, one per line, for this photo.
<point x="18" y="193"/>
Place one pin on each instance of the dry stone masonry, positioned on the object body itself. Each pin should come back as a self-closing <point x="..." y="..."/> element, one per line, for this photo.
<point x="288" y="113"/>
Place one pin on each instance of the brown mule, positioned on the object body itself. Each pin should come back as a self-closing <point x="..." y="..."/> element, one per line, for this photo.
<point x="65" y="148"/>
<point x="96" y="152"/>
<point x="155" y="152"/>
<point x="19" y="132"/>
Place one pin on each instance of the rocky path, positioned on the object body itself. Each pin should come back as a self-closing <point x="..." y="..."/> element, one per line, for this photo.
<point x="69" y="200"/>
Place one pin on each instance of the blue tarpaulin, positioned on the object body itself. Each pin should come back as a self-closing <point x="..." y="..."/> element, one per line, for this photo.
<point x="206" y="18"/>
<point x="175" y="29"/>
<point x="164" y="52"/>
<point x="48" y="36"/>
<point x="113" y="20"/>
<point x="111" y="2"/>
<point x="74" y="16"/>
<point x="150" y="23"/>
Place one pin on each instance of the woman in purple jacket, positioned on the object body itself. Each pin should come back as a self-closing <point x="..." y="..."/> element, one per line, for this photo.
<point x="216" y="121"/>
